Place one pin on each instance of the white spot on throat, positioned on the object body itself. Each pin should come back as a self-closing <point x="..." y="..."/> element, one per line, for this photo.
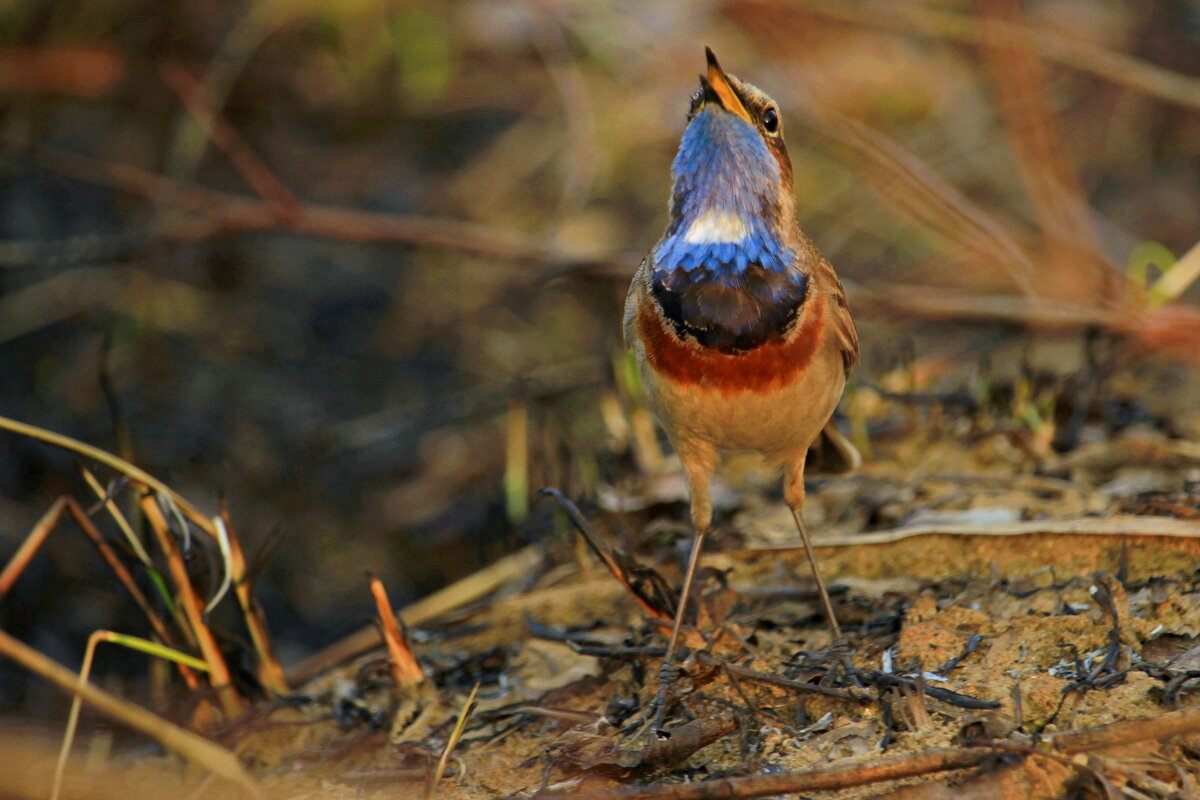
<point x="717" y="226"/>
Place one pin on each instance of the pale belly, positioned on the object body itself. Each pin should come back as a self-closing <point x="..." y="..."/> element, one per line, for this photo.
<point x="780" y="424"/>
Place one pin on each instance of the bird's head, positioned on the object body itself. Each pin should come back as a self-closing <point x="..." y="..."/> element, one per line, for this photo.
<point x="732" y="162"/>
<point x="732" y="190"/>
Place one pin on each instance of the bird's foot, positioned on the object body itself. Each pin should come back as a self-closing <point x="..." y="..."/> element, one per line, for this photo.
<point x="650" y="721"/>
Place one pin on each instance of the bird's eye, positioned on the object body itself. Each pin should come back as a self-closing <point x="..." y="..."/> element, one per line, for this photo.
<point x="770" y="119"/>
<point x="696" y="102"/>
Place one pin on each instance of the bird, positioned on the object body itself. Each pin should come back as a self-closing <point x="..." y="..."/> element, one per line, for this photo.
<point x="740" y="327"/>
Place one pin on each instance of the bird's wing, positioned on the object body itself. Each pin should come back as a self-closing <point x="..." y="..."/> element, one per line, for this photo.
<point x="841" y="323"/>
<point x="637" y="287"/>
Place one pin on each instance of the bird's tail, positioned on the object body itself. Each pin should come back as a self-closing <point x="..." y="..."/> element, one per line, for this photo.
<point x="832" y="453"/>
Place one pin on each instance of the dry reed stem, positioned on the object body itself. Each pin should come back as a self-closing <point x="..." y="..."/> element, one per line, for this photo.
<point x="270" y="671"/>
<point x="469" y="589"/>
<point x="191" y="746"/>
<point x="28" y="549"/>
<point x="406" y="672"/>
<point x="193" y="609"/>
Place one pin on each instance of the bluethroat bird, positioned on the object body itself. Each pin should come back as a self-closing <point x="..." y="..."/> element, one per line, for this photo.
<point x="741" y="328"/>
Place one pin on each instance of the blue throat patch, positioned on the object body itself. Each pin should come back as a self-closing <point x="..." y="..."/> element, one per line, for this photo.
<point x="723" y="277"/>
<point x="723" y="171"/>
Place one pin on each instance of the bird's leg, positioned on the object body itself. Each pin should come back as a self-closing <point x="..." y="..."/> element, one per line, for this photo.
<point x="666" y="672"/>
<point x="699" y="464"/>
<point x="794" y="494"/>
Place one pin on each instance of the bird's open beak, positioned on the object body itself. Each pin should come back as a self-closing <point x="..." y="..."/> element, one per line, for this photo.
<point x="716" y="87"/>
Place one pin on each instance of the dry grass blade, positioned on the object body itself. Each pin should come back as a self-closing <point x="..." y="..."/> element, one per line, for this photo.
<point x="194" y="748"/>
<point x="406" y="672"/>
<point x="85" y="671"/>
<point x="1087" y="526"/>
<point x="451" y="743"/>
<point x="920" y="196"/>
<point x="110" y="505"/>
<point x="1176" y="280"/>
<point x="109" y="460"/>
<point x="226" y="570"/>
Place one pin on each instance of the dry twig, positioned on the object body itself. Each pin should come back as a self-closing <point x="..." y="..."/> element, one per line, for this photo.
<point x="208" y="213"/>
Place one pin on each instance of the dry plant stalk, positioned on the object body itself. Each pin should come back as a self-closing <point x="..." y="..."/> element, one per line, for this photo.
<point x="85" y="671"/>
<point x="270" y="671"/>
<point x="191" y="746"/>
<point x="37" y="537"/>
<point x="264" y="182"/>
<point x="216" y="213"/>
<point x="134" y="473"/>
<point x="193" y="609"/>
<point x="406" y="672"/>
<point x="655" y="611"/>
<point x="28" y="549"/>
<point x="470" y="588"/>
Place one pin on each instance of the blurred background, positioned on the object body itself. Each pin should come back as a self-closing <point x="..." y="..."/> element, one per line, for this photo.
<point x="358" y="265"/>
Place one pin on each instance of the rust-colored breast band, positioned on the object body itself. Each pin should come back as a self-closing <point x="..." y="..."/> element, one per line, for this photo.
<point x="765" y="368"/>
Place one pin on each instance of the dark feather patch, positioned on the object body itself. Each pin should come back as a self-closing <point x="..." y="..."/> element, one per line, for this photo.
<point x="730" y="314"/>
